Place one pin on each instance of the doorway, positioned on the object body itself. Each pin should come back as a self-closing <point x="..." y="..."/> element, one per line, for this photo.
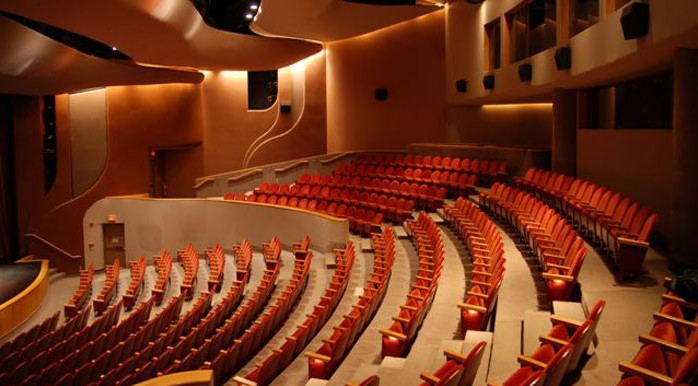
<point x="114" y="243"/>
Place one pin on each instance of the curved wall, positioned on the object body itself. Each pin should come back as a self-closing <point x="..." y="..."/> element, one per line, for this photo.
<point x="152" y="225"/>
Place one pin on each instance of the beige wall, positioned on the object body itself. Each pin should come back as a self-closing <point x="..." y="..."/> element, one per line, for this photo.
<point x="408" y="60"/>
<point x="153" y="225"/>
<point x="600" y="54"/>
<point x="511" y="125"/>
<point x="636" y="163"/>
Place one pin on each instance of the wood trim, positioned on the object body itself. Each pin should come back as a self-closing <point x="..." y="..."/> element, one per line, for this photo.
<point x="292" y="166"/>
<point x="203" y="182"/>
<point x="245" y="175"/>
<point x="16" y="311"/>
<point x="335" y="158"/>
<point x="185" y="378"/>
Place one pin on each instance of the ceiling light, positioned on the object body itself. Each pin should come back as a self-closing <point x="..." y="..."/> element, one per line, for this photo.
<point x="254" y="6"/>
<point x="113" y="48"/>
<point x="249" y="16"/>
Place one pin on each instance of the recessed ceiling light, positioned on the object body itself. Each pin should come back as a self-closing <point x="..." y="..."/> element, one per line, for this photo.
<point x="249" y="16"/>
<point x="254" y="6"/>
<point x="113" y="48"/>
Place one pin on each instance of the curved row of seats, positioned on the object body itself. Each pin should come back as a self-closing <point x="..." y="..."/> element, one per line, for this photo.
<point x="458" y="370"/>
<point x="485" y="246"/>
<point x="34" y="334"/>
<point x="109" y="289"/>
<point x="82" y="294"/>
<point x="243" y="260"/>
<point x="271" y="251"/>
<point x="323" y="362"/>
<point x="559" y="249"/>
<point x="163" y="267"/>
<point x="189" y="259"/>
<point x="560" y="353"/>
<point x="403" y="180"/>
<point x="615" y="223"/>
<point x="669" y="352"/>
<point x="295" y="343"/>
<point x="399" y="336"/>
<point x="216" y="263"/>
<point x="136" y="284"/>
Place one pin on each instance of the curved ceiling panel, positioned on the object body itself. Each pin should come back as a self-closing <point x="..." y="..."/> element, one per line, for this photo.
<point x="328" y="20"/>
<point x="164" y="32"/>
<point x="31" y="63"/>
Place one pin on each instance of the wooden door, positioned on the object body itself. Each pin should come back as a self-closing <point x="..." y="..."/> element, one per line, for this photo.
<point x="114" y="243"/>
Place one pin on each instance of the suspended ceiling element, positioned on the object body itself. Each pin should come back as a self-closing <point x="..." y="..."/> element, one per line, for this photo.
<point x="163" y="32"/>
<point x="33" y="64"/>
<point x="329" y="20"/>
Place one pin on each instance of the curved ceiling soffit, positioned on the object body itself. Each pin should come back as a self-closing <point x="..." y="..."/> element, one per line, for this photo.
<point x="329" y="20"/>
<point x="33" y="64"/>
<point x="165" y="33"/>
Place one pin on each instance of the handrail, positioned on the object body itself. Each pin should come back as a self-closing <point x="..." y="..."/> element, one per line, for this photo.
<point x="51" y="245"/>
<point x="203" y="182"/>
<point x="245" y="175"/>
<point x="291" y="166"/>
<point x="334" y="158"/>
<point x="184" y="378"/>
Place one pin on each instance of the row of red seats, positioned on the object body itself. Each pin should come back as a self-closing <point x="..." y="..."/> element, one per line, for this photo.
<point x="109" y="289"/>
<point x="459" y="370"/>
<point x="560" y="353"/>
<point x="163" y="267"/>
<point x="137" y="269"/>
<point x="266" y="325"/>
<point x="300" y="249"/>
<point x="323" y="362"/>
<point x="68" y="352"/>
<point x="295" y="343"/>
<point x="189" y="259"/>
<point x="36" y="333"/>
<point x="134" y="353"/>
<point x="492" y="168"/>
<point x="225" y="357"/>
<point x="33" y="348"/>
<point x="272" y="251"/>
<point x="82" y="294"/>
<point x="399" y="336"/>
<point x="427" y="194"/>
<point x="243" y="259"/>
<point x="216" y="264"/>
<point x="669" y="353"/>
<point x="485" y="246"/>
<point x="452" y="182"/>
<point x="560" y="253"/>
<point x="614" y="222"/>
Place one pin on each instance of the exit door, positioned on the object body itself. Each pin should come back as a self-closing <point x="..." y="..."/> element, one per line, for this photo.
<point x="114" y="243"/>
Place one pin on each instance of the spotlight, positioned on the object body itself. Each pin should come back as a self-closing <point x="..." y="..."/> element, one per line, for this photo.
<point x="113" y="48"/>
<point x="254" y="6"/>
<point x="249" y="16"/>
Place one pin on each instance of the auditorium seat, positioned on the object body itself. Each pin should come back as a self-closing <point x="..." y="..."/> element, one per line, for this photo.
<point x="459" y="370"/>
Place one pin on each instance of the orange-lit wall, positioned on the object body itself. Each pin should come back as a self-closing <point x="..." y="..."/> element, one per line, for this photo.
<point x="408" y="60"/>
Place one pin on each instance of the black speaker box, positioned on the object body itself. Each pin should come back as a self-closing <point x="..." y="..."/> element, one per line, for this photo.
<point x="285" y="108"/>
<point x="488" y="81"/>
<point x="461" y="85"/>
<point x="526" y="72"/>
<point x="563" y="58"/>
<point x="381" y="94"/>
<point x="635" y="20"/>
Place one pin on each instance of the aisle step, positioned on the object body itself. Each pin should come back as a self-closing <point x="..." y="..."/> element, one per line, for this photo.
<point x="535" y="324"/>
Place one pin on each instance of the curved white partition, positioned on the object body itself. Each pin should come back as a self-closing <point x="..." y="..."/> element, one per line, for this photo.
<point x="151" y="225"/>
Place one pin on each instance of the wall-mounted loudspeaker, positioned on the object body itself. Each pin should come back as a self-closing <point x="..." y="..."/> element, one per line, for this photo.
<point x="381" y="94"/>
<point x="285" y="107"/>
<point x="461" y="85"/>
<point x="635" y="20"/>
<point x="563" y="58"/>
<point x="488" y="81"/>
<point x="525" y="72"/>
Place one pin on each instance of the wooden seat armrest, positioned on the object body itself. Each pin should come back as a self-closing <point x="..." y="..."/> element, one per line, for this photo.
<point x="472" y="307"/>
<point x="393" y="334"/>
<point x="554" y="249"/>
<point x="554" y="341"/>
<point x="479" y="295"/>
<point x="528" y="361"/>
<point x="488" y="274"/>
<point x="417" y="297"/>
<point x="454" y="356"/>
<point x="647" y="375"/>
<point x="482" y="283"/>
<point x="681" y="302"/>
<point x="633" y="242"/>
<point x="558" y="266"/>
<point x="400" y="319"/>
<point x="554" y="256"/>
<point x="244" y="381"/>
<point x="557" y="276"/>
<point x="674" y="320"/>
<point x="409" y="308"/>
<point x="486" y="265"/>
<point x="428" y="378"/>
<point x="421" y="287"/>
<point x="565" y="320"/>
<point x="316" y="356"/>
<point x="664" y="344"/>
<point x="494" y="383"/>
<point x="425" y="278"/>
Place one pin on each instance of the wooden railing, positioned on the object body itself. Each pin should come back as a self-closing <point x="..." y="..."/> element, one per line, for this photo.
<point x="58" y="258"/>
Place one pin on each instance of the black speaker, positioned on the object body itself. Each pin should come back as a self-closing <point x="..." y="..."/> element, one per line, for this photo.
<point x="563" y="58"/>
<point x="635" y="20"/>
<point x="285" y="108"/>
<point x="461" y="85"/>
<point x="525" y="72"/>
<point x="488" y="81"/>
<point x="381" y="94"/>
